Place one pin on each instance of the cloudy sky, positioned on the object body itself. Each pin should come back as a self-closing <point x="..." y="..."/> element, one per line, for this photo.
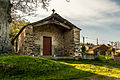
<point x="97" y="18"/>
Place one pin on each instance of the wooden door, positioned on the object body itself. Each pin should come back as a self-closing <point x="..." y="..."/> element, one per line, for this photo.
<point x="47" y="41"/>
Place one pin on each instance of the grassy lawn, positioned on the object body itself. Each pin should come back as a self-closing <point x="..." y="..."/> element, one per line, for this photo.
<point x="32" y="68"/>
<point x="104" y="68"/>
<point x="24" y="67"/>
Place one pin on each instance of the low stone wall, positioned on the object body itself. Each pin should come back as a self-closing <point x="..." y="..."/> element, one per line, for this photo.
<point x="85" y="56"/>
<point x="51" y="57"/>
<point x="116" y="58"/>
<point x="90" y="56"/>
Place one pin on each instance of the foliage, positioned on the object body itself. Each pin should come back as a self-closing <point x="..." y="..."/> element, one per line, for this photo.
<point x="85" y="53"/>
<point x="28" y="7"/>
<point x="104" y="58"/>
<point x="118" y="54"/>
<point x="81" y="44"/>
<point x="90" y="44"/>
<point x="15" y="27"/>
<point x="110" y="49"/>
<point x="109" y="52"/>
<point x="83" y="48"/>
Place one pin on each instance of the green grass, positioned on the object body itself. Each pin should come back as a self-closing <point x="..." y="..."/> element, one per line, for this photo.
<point x="25" y="67"/>
<point x="104" y="67"/>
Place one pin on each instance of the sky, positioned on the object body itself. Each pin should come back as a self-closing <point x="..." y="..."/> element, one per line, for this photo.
<point x="97" y="18"/>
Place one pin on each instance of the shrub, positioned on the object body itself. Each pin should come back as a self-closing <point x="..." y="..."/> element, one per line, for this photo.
<point x="118" y="54"/>
<point x="83" y="48"/>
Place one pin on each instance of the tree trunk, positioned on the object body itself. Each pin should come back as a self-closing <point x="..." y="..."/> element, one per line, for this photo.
<point x="5" y="44"/>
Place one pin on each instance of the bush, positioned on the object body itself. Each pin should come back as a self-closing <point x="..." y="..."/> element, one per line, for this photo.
<point x="118" y="54"/>
<point x="83" y="48"/>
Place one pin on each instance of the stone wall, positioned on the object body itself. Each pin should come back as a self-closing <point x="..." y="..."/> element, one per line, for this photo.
<point x="24" y="43"/>
<point x="64" y="42"/>
<point x="20" y="42"/>
<point x="52" y="31"/>
<point x="72" y="41"/>
<point x="116" y="58"/>
<point x="29" y="40"/>
<point x="69" y="42"/>
<point x="76" y="40"/>
<point x="90" y="56"/>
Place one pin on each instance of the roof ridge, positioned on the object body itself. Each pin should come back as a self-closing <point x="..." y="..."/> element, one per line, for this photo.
<point x="55" y="15"/>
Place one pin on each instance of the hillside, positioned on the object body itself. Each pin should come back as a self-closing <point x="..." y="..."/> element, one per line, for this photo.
<point x="25" y="67"/>
<point x="33" y="68"/>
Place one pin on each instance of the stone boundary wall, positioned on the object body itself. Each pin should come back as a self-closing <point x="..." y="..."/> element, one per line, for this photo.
<point x="116" y="58"/>
<point x="89" y="56"/>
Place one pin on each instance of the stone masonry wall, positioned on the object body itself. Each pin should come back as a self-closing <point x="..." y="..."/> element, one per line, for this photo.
<point x="64" y="42"/>
<point x="21" y="42"/>
<point x="49" y="31"/>
<point x="29" y="40"/>
<point x="116" y="58"/>
<point x="69" y="42"/>
<point x="72" y="41"/>
<point x="76" y="40"/>
<point x="24" y="42"/>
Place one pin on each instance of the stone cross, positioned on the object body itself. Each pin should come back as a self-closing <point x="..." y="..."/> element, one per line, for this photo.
<point x="53" y="11"/>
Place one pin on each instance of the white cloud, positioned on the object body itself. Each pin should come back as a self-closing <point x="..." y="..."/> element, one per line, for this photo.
<point x="97" y="13"/>
<point x="88" y="12"/>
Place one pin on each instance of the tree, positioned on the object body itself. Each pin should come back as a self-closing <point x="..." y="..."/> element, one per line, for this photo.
<point x="15" y="27"/>
<point x="11" y="6"/>
<point x="5" y="19"/>
<point x="109" y="51"/>
<point x="83" y="48"/>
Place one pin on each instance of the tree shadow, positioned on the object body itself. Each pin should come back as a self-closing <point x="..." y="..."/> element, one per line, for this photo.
<point x="89" y="75"/>
<point x="97" y="62"/>
<point x="86" y="75"/>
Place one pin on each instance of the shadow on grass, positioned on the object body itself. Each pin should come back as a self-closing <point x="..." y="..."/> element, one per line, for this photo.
<point x="97" y="62"/>
<point x="33" y="68"/>
<point x="69" y="73"/>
